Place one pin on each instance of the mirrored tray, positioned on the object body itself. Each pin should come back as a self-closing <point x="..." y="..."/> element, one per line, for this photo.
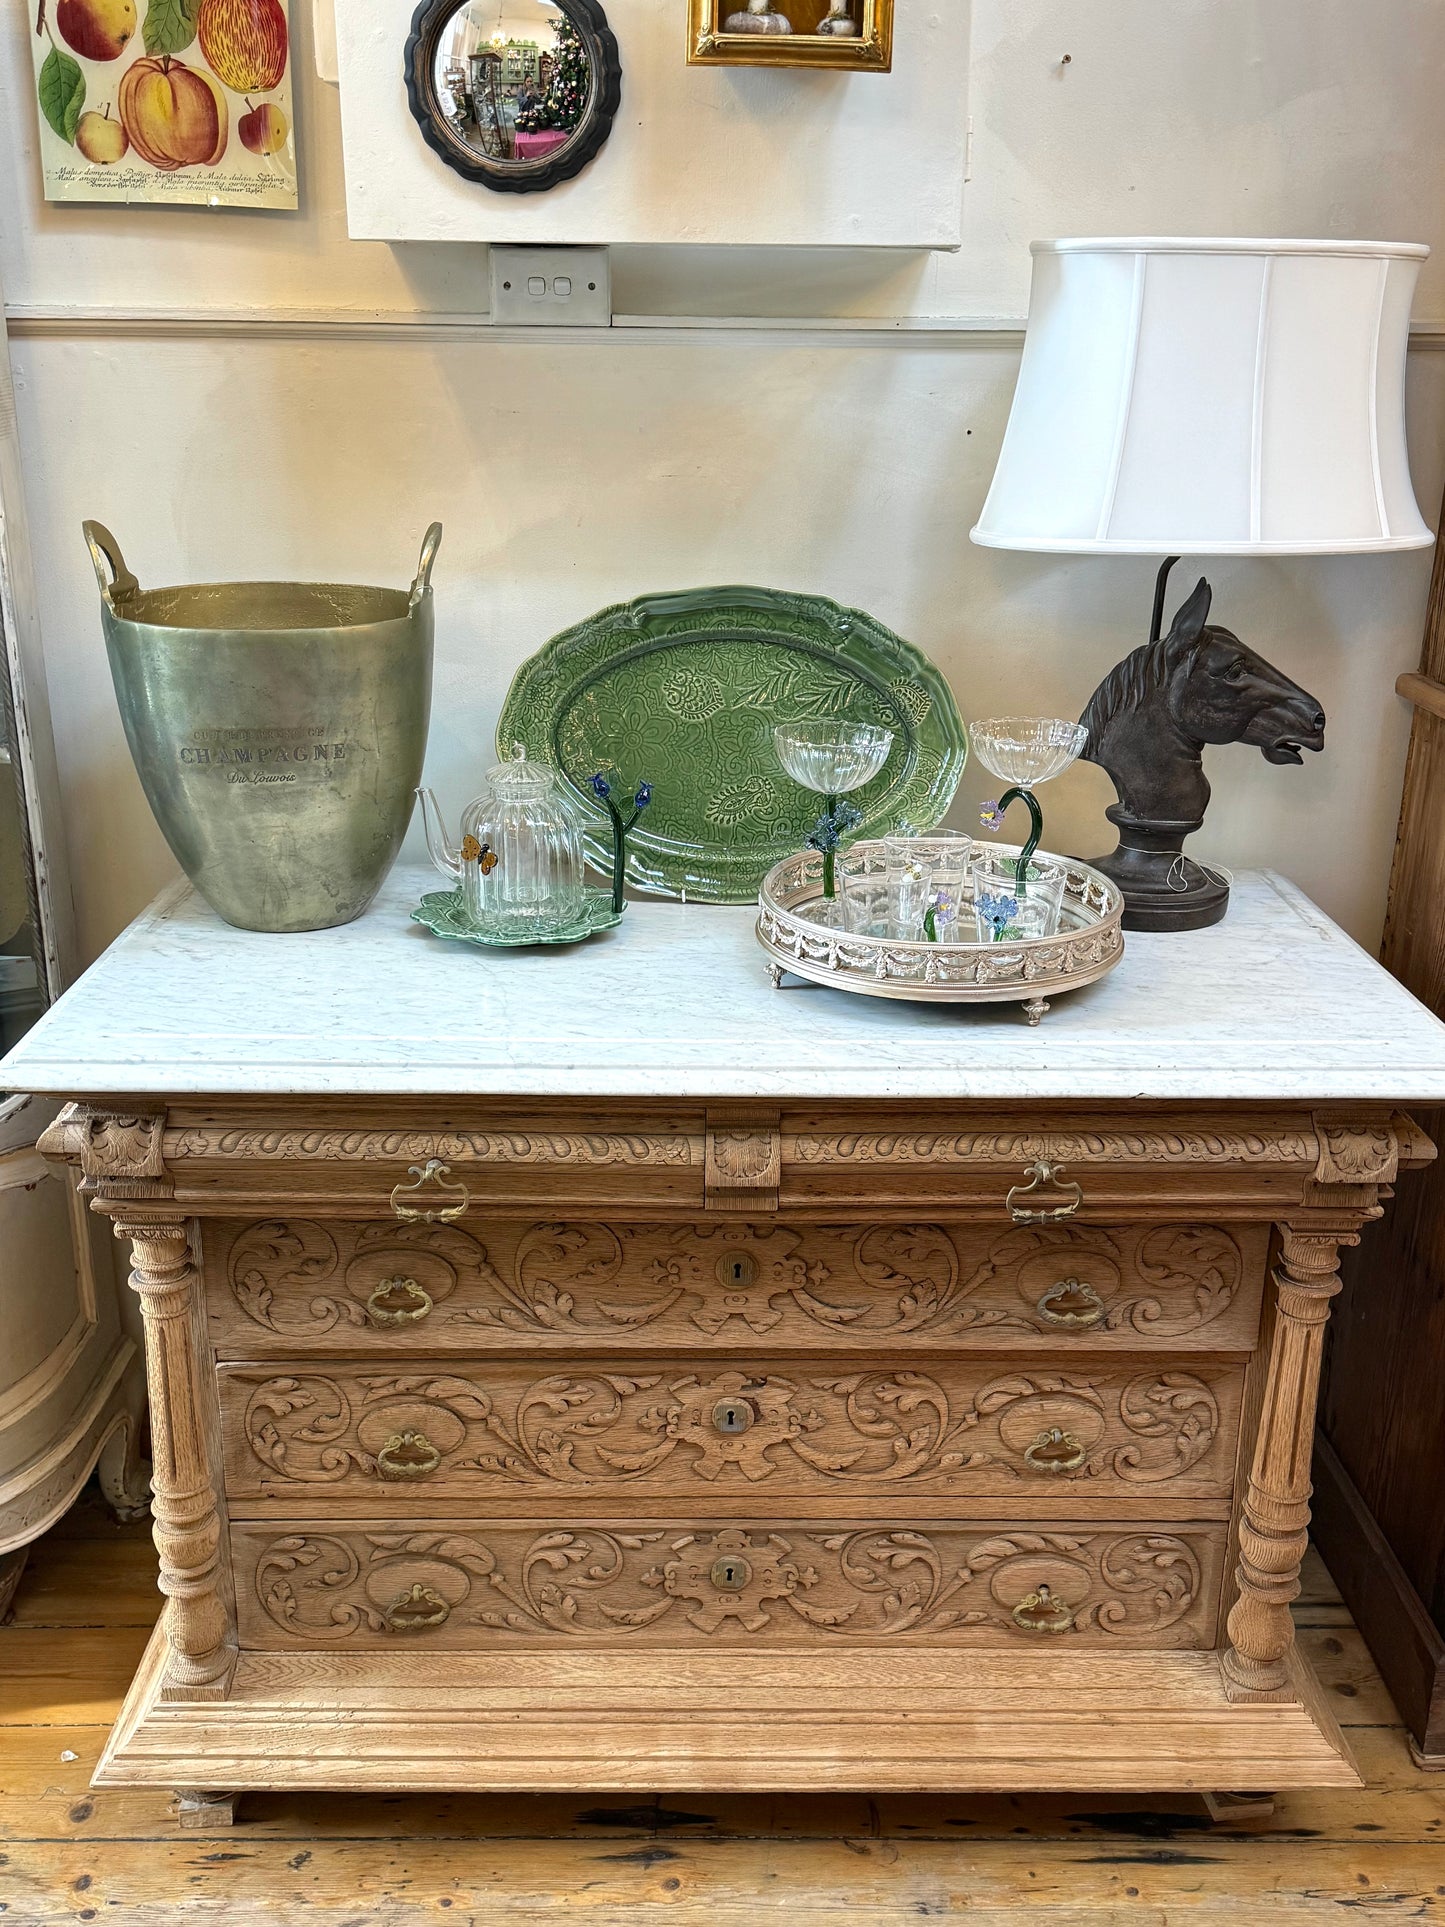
<point x="683" y="691"/>
<point x="1089" y="943"/>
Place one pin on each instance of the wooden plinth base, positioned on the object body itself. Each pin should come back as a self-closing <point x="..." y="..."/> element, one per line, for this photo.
<point x="870" y="1719"/>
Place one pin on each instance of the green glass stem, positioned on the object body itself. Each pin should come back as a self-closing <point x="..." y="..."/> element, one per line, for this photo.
<point x="1036" y="831"/>
<point x="619" y="852"/>
<point x="830" y="857"/>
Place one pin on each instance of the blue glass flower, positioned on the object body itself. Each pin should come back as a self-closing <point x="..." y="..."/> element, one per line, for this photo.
<point x="643" y="796"/>
<point x="833" y="825"/>
<point x="599" y="785"/>
<point x="997" y="911"/>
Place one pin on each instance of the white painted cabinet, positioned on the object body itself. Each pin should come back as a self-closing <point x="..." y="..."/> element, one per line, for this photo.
<point x="71" y="1381"/>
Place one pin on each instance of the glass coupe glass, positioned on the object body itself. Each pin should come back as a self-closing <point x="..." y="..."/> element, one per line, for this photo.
<point x="1025" y="751"/>
<point x="831" y="759"/>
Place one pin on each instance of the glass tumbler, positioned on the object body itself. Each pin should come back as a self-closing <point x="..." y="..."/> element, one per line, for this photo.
<point x="1002" y="914"/>
<point x="926" y="873"/>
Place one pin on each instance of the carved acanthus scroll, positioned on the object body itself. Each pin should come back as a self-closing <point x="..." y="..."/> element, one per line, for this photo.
<point x="120" y="1153"/>
<point x="766" y="1586"/>
<point x="744" y="1158"/>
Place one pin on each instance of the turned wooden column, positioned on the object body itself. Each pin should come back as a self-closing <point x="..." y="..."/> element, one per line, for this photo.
<point x="184" y="1505"/>
<point x="1274" y="1530"/>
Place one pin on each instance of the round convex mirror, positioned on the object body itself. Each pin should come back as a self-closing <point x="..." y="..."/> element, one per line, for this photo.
<point x="516" y="94"/>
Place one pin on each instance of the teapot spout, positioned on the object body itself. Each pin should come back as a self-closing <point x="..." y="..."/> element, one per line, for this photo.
<point x="443" y="853"/>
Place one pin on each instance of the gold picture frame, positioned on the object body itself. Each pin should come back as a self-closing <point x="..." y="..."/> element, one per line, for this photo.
<point x="870" y="50"/>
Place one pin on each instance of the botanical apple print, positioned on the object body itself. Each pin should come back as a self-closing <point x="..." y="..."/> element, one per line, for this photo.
<point x="170" y="112"/>
<point x="175" y="115"/>
<point x="244" y="42"/>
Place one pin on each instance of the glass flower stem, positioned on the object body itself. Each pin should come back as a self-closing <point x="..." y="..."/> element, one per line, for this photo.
<point x="830" y="855"/>
<point x="619" y="850"/>
<point x="1036" y="831"/>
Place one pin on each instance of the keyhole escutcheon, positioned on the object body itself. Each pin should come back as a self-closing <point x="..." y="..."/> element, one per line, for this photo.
<point x="731" y="1574"/>
<point x="732" y="1415"/>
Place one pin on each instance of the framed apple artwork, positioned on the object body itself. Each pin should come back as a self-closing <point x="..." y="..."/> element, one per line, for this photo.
<point x="179" y="102"/>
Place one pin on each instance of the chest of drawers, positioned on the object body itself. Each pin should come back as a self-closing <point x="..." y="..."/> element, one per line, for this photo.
<point x="783" y="1437"/>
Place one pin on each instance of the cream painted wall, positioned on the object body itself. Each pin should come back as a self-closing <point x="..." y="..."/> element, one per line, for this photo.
<point x="574" y="473"/>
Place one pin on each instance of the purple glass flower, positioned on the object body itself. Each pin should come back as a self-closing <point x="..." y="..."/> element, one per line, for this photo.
<point x="991" y="816"/>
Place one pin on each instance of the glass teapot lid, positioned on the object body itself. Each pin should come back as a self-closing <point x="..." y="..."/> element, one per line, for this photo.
<point x="520" y="779"/>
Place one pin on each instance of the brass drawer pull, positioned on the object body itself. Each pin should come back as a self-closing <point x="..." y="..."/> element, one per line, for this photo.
<point x="417" y="1610"/>
<point x="398" y="1301"/>
<point x="1043" y="1176"/>
<point x="409" y="1455"/>
<point x="1055" y="1451"/>
<point x="405" y="1198"/>
<point x="1040" y="1612"/>
<point x="1071" y="1304"/>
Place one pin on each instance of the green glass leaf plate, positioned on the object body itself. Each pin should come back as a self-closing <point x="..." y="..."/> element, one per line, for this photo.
<point x="683" y="691"/>
<point x="443" y="913"/>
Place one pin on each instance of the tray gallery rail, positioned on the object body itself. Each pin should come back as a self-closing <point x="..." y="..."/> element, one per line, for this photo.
<point x="865" y="959"/>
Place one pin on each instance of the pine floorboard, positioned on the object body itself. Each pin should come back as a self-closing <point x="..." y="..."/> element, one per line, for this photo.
<point x="68" y="1854"/>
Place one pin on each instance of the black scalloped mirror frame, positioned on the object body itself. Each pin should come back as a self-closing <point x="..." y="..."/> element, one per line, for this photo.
<point x="516" y="177"/>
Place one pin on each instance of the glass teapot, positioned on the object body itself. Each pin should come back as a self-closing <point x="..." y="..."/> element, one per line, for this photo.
<point x="520" y="863"/>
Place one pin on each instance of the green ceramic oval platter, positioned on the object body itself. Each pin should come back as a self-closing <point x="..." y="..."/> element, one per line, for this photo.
<point x="683" y="691"/>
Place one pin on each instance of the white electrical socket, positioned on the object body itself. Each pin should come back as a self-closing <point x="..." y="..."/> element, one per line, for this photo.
<point x="551" y="288"/>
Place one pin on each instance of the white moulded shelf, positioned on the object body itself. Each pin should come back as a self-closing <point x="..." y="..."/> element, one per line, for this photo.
<point x="714" y="156"/>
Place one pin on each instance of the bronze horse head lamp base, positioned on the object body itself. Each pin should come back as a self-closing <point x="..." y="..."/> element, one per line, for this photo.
<point x="1149" y="722"/>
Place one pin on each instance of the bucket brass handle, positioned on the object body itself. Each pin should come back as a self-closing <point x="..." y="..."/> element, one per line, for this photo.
<point x="430" y="543"/>
<point x="105" y="553"/>
<point x="1055" y="1451"/>
<point x="1043" y="1176"/>
<point x="1072" y="1304"/>
<point x="417" y="1610"/>
<point x="433" y="1172"/>
<point x="398" y="1301"/>
<point x="1040" y="1612"/>
<point x="408" y="1455"/>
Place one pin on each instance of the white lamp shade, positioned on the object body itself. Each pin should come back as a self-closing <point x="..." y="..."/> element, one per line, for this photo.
<point x="1213" y="397"/>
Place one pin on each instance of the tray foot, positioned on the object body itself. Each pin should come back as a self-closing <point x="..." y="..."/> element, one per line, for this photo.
<point x="1037" y="1010"/>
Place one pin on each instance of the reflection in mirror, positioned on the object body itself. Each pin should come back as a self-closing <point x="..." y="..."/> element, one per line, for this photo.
<point x="514" y="77"/>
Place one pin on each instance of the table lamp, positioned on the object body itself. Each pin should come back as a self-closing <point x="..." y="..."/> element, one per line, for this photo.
<point x="1206" y="397"/>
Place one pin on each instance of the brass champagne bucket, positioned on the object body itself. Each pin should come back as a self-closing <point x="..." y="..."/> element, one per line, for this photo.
<point x="278" y="729"/>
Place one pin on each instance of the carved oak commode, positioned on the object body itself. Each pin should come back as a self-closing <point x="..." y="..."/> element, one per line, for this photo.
<point x="608" y="1371"/>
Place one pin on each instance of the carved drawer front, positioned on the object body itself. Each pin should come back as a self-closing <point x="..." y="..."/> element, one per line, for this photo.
<point x="501" y="1429"/>
<point x="495" y="1587"/>
<point x="296" y="1284"/>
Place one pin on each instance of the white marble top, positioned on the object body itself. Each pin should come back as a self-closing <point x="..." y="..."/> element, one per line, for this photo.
<point x="1275" y="1003"/>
